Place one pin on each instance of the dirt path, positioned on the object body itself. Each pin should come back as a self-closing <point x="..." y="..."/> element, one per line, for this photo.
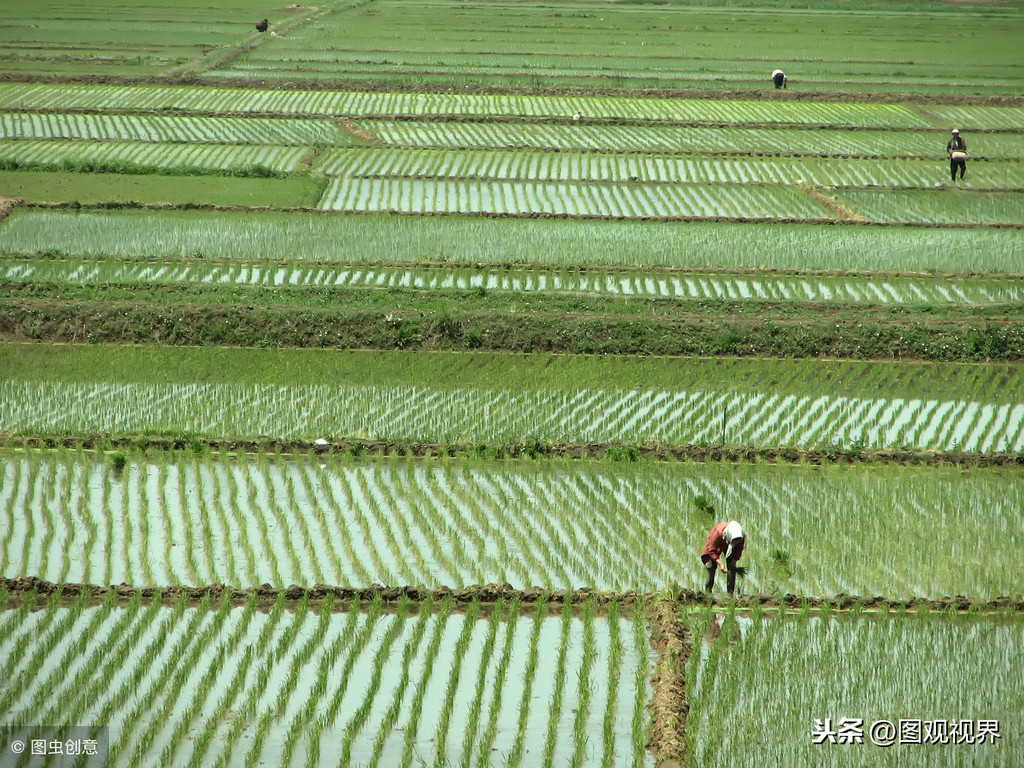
<point x="354" y="130"/>
<point x="499" y="451"/>
<point x="669" y="707"/>
<point x="7" y="204"/>
<point x="664" y="614"/>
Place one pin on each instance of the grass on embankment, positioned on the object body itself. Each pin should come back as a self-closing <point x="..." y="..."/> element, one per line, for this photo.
<point x="93" y="188"/>
<point x="855" y="336"/>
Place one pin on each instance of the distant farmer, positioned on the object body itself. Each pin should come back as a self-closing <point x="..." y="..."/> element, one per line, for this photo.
<point x="957" y="150"/>
<point x="779" y="78"/>
<point x="262" y="26"/>
<point x="723" y="550"/>
<point x="577" y="116"/>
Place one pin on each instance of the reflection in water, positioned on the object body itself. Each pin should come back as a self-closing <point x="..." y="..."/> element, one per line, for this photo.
<point x="731" y="628"/>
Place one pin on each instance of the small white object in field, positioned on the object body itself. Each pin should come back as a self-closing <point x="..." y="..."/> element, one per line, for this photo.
<point x="273" y="34"/>
<point x="320" y="441"/>
<point x="578" y="116"/>
<point x="799" y="181"/>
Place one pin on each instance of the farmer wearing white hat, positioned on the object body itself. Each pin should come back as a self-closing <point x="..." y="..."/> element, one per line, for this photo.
<point x="779" y="78"/>
<point x="723" y="549"/>
<point x="957" y="151"/>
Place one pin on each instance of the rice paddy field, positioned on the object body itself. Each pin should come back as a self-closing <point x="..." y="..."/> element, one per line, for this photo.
<point x="369" y="384"/>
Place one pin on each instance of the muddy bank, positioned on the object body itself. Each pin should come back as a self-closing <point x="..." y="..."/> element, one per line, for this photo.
<point x="596" y="89"/>
<point x="490" y="594"/>
<point x="669" y="707"/>
<point x="500" y="451"/>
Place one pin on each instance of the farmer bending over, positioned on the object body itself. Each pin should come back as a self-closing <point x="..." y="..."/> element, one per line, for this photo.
<point x="779" y="78"/>
<point x="725" y="539"/>
<point x="957" y="151"/>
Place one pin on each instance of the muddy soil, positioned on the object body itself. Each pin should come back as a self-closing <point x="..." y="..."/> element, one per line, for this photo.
<point x="492" y="593"/>
<point x="728" y="453"/>
<point x="767" y="94"/>
<point x="669" y="707"/>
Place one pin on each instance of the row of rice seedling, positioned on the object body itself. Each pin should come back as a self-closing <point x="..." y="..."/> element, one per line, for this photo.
<point x="653" y="283"/>
<point x="383" y="238"/>
<point x="171" y="128"/>
<point x="218" y="684"/>
<point x="492" y="372"/>
<point x="666" y="138"/>
<point x="624" y="167"/>
<point x="481" y="415"/>
<point x="935" y="206"/>
<point x="556" y="46"/>
<point x="182" y="158"/>
<point x="404" y="396"/>
<point x="975" y="116"/>
<point x="388" y="104"/>
<point x="183" y="518"/>
<point x="568" y="198"/>
<point x="941" y="680"/>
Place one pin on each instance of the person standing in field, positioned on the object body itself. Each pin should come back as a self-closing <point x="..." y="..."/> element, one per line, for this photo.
<point x="723" y="550"/>
<point x="957" y="151"/>
<point x="779" y="78"/>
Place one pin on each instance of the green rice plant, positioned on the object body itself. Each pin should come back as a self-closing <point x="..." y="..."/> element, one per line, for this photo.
<point x="47" y="632"/>
<point x="444" y="723"/>
<point x="365" y="527"/>
<point x="470" y="738"/>
<point x="201" y="743"/>
<point x="844" y="648"/>
<point x="246" y="713"/>
<point x="416" y="709"/>
<point x="69" y="488"/>
<point x="382" y="239"/>
<point x="359" y="718"/>
<point x="261" y="523"/>
<point x="217" y="492"/>
<point x="323" y="532"/>
<point x="338" y="524"/>
<point x="403" y="474"/>
<point x="381" y="521"/>
<point x="172" y="681"/>
<point x="501" y="669"/>
<point x="299" y="521"/>
<point x="110" y="700"/>
<point x="584" y="691"/>
<point x="514" y="757"/>
<point x="205" y="521"/>
<point x="556" y="701"/>
<point x="639" y="722"/>
<point x="614" y="672"/>
<point x="355" y="648"/>
<point x="234" y="493"/>
<point x="100" y="662"/>
<point x="45" y="646"/>
<point x="390" y="718"/>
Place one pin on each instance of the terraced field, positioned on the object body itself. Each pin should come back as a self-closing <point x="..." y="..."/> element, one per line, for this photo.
<point x="190" y="518"/>
<point x="398" y="402"/>
<point x="481" y="671"/>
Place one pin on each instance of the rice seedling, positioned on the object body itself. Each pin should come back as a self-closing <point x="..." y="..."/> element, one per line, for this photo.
<point x="416" y="709"/>
<point x="361" y="715"/>
<point x="159" y="697"/>
<point x="444" y="723"/>
<point x="487" y="654"/>
<point x="850" y="651"/>
<point x="639" y="720"/>
<point x="560" y="676"/>
<point x="102" y="662"/>
<point x="391" y="716"/>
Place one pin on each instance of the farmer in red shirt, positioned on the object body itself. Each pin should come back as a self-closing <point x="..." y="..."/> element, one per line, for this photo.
<point x="726" y="538"/>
